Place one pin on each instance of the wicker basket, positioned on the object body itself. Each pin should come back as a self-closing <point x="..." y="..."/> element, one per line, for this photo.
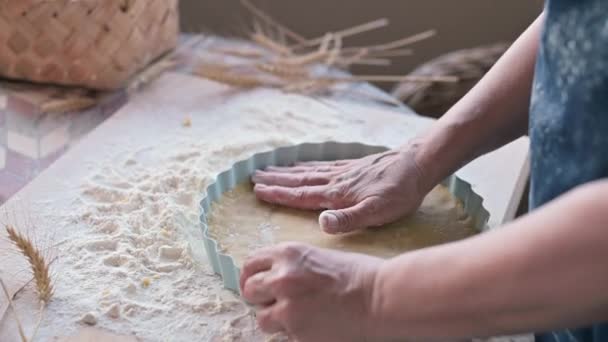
<point x="433" y="99"/>
<point x="98" y="44"/>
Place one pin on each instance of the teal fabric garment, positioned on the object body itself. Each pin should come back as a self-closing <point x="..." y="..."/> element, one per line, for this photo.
<point x="569" y="115"/>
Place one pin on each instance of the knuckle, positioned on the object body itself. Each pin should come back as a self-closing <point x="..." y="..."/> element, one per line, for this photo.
<point x="346" y="219"/>
<point x="248" y="266"/>
<point x="289" y="313"/>
<point x="334" y="193"/>
<point x="338" y="192"/>
<point x="306" y="179"/>
<point x="285" y="283"/>
<point x="374" y="207"/>
<point x="248" y="291"/>
<point x="264" y="320"/>
<point x="298" y="195"/>
<point x="292" y="250"/>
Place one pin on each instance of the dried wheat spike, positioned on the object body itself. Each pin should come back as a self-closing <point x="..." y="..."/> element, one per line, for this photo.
<point x="239" y="52"/>
<point x="312" y="86"/>
<point x="40" y="267"/>
<point x="281" y="70"/>
<point x="225" y="75"/>
<point x="307" y="59"/>
<point x="272" y="22"/>
<point x="68" y="105"/>
<point x="270" y="44"/>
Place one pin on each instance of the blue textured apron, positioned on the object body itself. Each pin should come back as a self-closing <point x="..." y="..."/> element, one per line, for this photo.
<point x="569" y="114"/>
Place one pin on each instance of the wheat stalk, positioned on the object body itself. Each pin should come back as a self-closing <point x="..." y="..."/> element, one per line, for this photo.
<point x="368" y="61"/>
<point x="307" y="59"/>
<point x="270" y="44"/>
<point x="351" y="31"/>
<point x="223" y="74"/>
<point x="281" y="70"/>
<point x="396" y="44"/>
<point x="272" y="22"/>
<point x="12" y="306"/>
<point x="68" y="105"/>
<point x="239" y="52"/>
<point x="309" y="86"/>
<point x="39" y="265"/>
<point x="287" y="67"/>
<point x="393" y="79"/>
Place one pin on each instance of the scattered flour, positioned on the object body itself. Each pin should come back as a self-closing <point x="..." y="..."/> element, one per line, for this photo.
<point x="144" y="246"/>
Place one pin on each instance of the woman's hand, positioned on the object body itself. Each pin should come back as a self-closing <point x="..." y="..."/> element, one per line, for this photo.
<point x="359" y="193"/>
<point x="309" y="293"/>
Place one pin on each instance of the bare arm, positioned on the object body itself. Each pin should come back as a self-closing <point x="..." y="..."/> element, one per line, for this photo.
<point x="492" y="114"/>
<point x="546" y="270"/>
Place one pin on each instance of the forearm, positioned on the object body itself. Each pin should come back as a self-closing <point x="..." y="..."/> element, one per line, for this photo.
<point x="492" y="114"/>
<point x="546" y="270"/>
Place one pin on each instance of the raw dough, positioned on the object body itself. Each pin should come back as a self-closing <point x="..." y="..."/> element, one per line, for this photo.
<point x="240" y="223"/>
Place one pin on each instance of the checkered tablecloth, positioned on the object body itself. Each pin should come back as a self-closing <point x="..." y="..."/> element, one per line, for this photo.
<point x="30" y="139"/>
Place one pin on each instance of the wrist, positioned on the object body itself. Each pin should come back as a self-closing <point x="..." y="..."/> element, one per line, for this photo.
<point x="426" y="168"/>
<point x="373" y="319"/>
<point x="380" y="324"/>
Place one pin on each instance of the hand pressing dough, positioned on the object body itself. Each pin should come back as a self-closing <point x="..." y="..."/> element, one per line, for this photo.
<point x="241" y="223"/>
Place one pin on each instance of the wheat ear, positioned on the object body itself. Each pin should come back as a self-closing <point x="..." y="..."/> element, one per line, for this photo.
<point x="282" y="70"/>
<point x="225" y="75"/>
<point x="67" y="105"/>
<point x="40" y="267"/>
<point x="272" y="22"/>
<point x="270" y="44"/>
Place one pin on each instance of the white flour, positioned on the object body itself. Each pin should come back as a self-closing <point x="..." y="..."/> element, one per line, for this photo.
<point x="142" y="261"/>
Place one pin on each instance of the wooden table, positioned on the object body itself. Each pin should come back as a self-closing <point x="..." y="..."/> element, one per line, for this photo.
<point x="154" y="116"/>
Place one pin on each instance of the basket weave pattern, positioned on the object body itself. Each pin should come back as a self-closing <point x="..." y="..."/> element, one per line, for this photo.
<point x="93" y="43"/>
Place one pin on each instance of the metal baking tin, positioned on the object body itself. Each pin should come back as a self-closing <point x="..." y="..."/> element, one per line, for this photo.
<point x="241" y="171"/>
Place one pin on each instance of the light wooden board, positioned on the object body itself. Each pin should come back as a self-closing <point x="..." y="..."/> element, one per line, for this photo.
<point x="154" y="118"/>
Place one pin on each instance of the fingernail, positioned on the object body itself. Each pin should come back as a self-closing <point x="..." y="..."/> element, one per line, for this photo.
<point x="329" y="221"/>
<point x="259" y="186"/>
<point x="256" y="176"/>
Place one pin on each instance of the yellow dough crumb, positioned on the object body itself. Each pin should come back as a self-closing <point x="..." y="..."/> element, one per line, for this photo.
<point x="187" y="122"/>
<point x="145" y="282"/>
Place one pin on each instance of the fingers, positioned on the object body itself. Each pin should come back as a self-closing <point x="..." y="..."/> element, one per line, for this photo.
<point x="305" y="197"/>
<point x="269" y="321"/>
<point x="260" y="262"/>
<point x="257" y="289"/>
<point x="325" y="163"/>
<point x="300" y="169"/>
<point x="311" y="167"/>
<point x="290" y="179"/>
<point x="362" y="215"/>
